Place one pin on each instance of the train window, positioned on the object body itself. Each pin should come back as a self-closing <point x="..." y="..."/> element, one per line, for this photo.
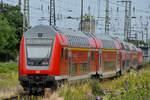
<point x="62" y="50"/>
<point x="83" y="67"/>
<point x="127" y="47"/>
<point x="109" y="65"/>
<point x="134" y="48"/>
<point x="127" y="62"/>
<point x="134" y="61"/>
<point x="108" y="44"/>
<point x="74" y="68"/>
<point x="123" y="48"/>
<point x="66" y="54"/>
<point x="123" y="64"/>
<point x="92" y="55"/>
<point x="40" y="35"/>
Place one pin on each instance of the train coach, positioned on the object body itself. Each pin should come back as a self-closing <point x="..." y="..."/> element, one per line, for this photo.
<point x="49" y="54"/>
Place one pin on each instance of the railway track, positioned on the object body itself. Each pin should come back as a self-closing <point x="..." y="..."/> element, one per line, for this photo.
<point x="23" y="96"/>
<point x="28" y="96"/>
<point x="18" y="97"/>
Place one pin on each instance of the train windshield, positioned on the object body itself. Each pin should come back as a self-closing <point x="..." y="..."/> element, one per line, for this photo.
<point x="38" y="51"/>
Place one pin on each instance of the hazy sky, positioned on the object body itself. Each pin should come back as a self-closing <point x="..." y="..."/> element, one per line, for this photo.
<point x="63" y="5"/>
<point x="72" y="8"/>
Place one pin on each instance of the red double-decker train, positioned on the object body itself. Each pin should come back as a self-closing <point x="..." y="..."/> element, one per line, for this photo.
<point x="49" y="54"/>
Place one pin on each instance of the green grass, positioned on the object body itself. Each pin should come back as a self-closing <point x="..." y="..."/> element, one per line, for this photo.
<point x="8" y="67"/>
<point x="131" y="86"/>
<point x="8" y="74"/>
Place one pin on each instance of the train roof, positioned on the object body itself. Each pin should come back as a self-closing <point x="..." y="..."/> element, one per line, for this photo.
<point x="127" y="46"/>
<point x="45" y="30"/>
<point x="75" y="38"/>
<point x="67" y="31"/>
<point x="78" y="38"/>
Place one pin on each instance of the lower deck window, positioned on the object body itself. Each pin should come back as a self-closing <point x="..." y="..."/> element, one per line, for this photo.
<point x="74" y="68"/>
<point x="127" y="63"/>
<point x="134" y="62"/>
<point x="109" y="65"/>
<point x="83" y="67"/>
<point x="118" y="59"/>
<point x="123" y="63"/>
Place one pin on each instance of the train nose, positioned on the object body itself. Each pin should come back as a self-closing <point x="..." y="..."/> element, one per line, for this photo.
<point x="33" y="81"/>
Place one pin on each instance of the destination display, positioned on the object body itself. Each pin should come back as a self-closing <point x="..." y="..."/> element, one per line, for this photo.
<point x="38" y="41"/>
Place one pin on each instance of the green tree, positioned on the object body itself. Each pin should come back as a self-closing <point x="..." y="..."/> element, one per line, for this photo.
<point x="14" y="17"/>
<point x="11" y="22"/>
<point x="8" y="41"/>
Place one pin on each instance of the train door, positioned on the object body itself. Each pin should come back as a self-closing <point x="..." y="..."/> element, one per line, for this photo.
<point x="118" y="61"/>
<point x="89" y="59"/>
<point x="92" y="61"/>
<point x="63" y="61"/>
<point x="127" y="66"/>
<point x="109" y="65"/>
<point x="100" y="62"/>
<point x="70" y="58"/>
<point x="122" y="61"/>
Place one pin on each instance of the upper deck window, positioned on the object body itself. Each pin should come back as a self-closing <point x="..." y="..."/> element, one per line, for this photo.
<point x="122" y="45"/>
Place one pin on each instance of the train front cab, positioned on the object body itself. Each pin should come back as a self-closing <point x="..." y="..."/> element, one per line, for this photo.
<point x="38" y="62"/>
<point x="34" y="72"/>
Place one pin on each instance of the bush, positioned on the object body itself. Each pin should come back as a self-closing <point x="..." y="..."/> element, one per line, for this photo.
<point x="8" y="41"/>
<point x="11" y="20"/>
<point x="96" y="89"/>
<point x="8" y="67"/>
<point x="136" y="94"/>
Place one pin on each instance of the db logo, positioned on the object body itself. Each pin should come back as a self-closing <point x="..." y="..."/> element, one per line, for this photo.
<point x="37" y="72"/>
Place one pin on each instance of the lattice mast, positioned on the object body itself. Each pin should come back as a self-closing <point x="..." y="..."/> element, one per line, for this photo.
<point x="26" y="16"/>
<point x="127" y="19"/>
<point x="52" y="13"/>
<point x="107" y="18"/>
<point x="19" y="3"/>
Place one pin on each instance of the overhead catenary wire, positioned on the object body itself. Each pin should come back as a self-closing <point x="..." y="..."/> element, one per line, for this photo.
<point x="62" y="9"/>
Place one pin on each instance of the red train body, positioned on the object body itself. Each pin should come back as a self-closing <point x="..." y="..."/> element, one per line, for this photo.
<point x="49" y="54"/>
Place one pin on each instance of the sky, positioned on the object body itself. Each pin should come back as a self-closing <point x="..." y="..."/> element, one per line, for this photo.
<point x="39" y="13"/>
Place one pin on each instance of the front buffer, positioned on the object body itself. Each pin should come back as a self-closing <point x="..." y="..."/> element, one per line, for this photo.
<point x="36" y="84"/>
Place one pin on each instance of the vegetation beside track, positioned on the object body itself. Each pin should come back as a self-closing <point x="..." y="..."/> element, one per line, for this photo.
<point x="8" y="67"/>
<point x="8" y="74"/>
<point x="9" y="84"/>
<point x="11" y="22"/>
<point x="134" y="85"/>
